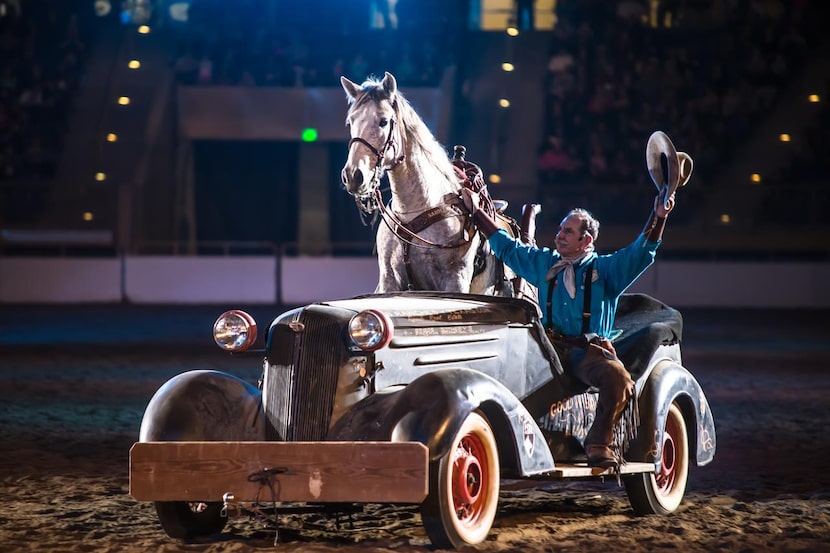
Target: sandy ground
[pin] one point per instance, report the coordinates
(74, 384)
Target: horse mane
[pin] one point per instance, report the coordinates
(411, 124)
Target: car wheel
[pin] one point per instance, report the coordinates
(463, 488)
(661, 492)
(185, 520)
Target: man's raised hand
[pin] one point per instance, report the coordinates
(472, 200)
(662, 207)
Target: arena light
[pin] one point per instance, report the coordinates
(309, 135)
(136, 12)
(88, 216)
(507, 66)
(134, 64)
(755, 177)
(784, 137)
(512, 30)
(504, 102)
(124, 100)
(100, 177)
(112, 137)
(725, 219)
(102, 8)
(814, 98)
(144, 29)
(179, 11)
(495, 178)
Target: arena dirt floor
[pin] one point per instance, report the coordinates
(74, 383)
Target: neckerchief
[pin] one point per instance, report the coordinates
(567, 265)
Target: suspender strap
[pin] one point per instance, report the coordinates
(586, 305)
(548, 310)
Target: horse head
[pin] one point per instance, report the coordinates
(376, 143)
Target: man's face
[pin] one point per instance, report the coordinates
(570, 240)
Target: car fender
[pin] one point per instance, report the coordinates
(204, 405)
(432, 408)
(670, 382)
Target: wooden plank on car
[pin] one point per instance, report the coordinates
(581, 470)
(316, 472)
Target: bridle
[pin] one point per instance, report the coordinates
(371, 201)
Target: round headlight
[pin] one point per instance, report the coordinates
(370, 330)
(234, 330)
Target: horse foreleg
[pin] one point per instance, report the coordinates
(388, 284)
(448, 271)
(486, 281)
(391, 271)
(388, 281)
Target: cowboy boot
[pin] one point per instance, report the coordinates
(616, 388)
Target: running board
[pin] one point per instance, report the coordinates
(582, 470)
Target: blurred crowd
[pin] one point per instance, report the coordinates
(41, 53)
(800, 195)
(706, 72)
(314, 42)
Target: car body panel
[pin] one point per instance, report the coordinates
(179, 409)
(450, 355)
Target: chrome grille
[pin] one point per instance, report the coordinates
(301, 379)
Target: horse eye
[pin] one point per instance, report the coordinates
(384, 121)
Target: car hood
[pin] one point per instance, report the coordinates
(420, 308)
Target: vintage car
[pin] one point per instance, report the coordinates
(410, 398)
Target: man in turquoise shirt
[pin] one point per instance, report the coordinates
(562, 277)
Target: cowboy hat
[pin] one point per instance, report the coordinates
(678, 165)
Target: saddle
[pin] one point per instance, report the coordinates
(472, 177)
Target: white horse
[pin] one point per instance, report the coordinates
(425, 241)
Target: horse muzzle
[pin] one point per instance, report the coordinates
(357, 181)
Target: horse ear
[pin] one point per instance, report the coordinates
(352, 89)
(390, 85)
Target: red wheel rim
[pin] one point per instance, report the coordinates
(470, 477)
(668, 460)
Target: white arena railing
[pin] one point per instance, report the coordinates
(261, 273)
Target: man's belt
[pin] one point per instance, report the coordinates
(580, 341)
